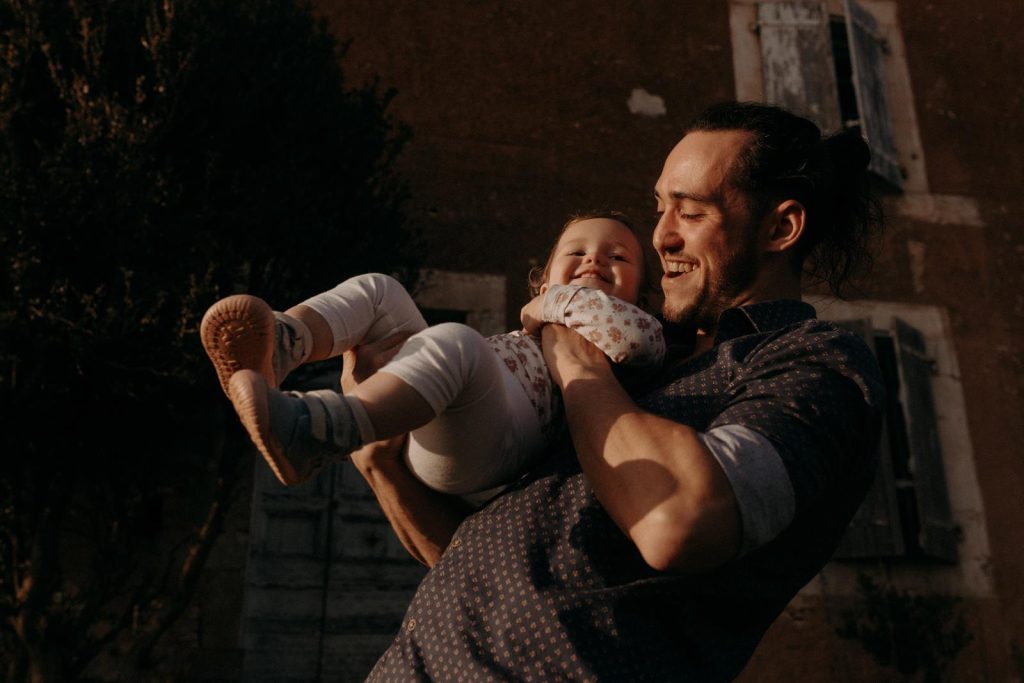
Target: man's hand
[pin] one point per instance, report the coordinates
(652, 475)
(423, 520)
(569, 356)
(378, 453)
(532, 315)
(360, 362)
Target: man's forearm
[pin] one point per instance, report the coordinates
(423, 519)
(653, 475)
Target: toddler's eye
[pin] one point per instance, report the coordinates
(618, 257)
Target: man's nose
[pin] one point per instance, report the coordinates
(666, 236)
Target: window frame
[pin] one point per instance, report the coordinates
(750, 83)
(971, 574)
(907, 512)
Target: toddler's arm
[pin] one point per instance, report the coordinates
(625, 333)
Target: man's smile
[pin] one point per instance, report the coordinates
(674, 269)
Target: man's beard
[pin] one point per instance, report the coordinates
(702, 313)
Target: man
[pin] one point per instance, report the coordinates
(665, 541)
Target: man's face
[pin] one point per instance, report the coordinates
(706, 236)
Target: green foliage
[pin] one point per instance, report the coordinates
(918, 635)
(154, 156)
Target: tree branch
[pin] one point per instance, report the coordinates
(196, 555)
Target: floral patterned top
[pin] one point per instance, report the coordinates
(625, 333)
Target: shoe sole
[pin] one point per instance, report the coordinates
(238, 334)
(248, 393)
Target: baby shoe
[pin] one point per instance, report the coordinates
(296, 432)
(241, 332)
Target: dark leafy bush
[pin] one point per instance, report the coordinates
(155, 155)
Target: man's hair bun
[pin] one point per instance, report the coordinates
(848, 152)
(787, 158)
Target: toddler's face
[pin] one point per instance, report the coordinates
(601, 253)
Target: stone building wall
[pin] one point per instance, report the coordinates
(523, 112)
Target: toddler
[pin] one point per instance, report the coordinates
(478, 409)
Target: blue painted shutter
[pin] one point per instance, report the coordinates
(867, 53)
(875, 529)
(796, 56)
(938, 535)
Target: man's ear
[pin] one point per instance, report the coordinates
(785, 226)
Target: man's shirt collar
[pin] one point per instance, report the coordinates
(761, 317)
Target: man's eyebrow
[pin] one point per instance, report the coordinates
(679, 195)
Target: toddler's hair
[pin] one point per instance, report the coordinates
(539, 274)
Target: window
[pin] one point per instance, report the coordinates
(826, 61)
(907, 513)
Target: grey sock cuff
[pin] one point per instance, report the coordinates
(362, 419)
(332, 420)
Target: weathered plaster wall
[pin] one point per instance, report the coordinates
(965, 62)
(521, 112)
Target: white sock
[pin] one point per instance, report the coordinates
(294, 344)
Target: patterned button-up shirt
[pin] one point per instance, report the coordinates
(541, 585)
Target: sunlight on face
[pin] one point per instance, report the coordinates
(600, 253)
(705, 237)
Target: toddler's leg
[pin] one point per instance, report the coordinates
(359, 310)
(254, 348)
(297, 433)
(472, 425)
(486, 431)
(241, 332)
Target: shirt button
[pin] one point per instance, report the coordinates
(456, 542)
(411, 625)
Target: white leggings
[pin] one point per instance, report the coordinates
(486, 431)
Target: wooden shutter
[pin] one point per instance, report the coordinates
(875, 529)
(937, 536)
(796, 54)
(286, 578)
(327, 580)
(867, 54)
(372, 579)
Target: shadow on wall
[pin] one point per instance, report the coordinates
(917, 635)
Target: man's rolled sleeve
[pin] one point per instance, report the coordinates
(759, 481)
(817, 403)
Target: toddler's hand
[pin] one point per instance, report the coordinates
(532, 315)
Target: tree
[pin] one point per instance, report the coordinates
(154, 156)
